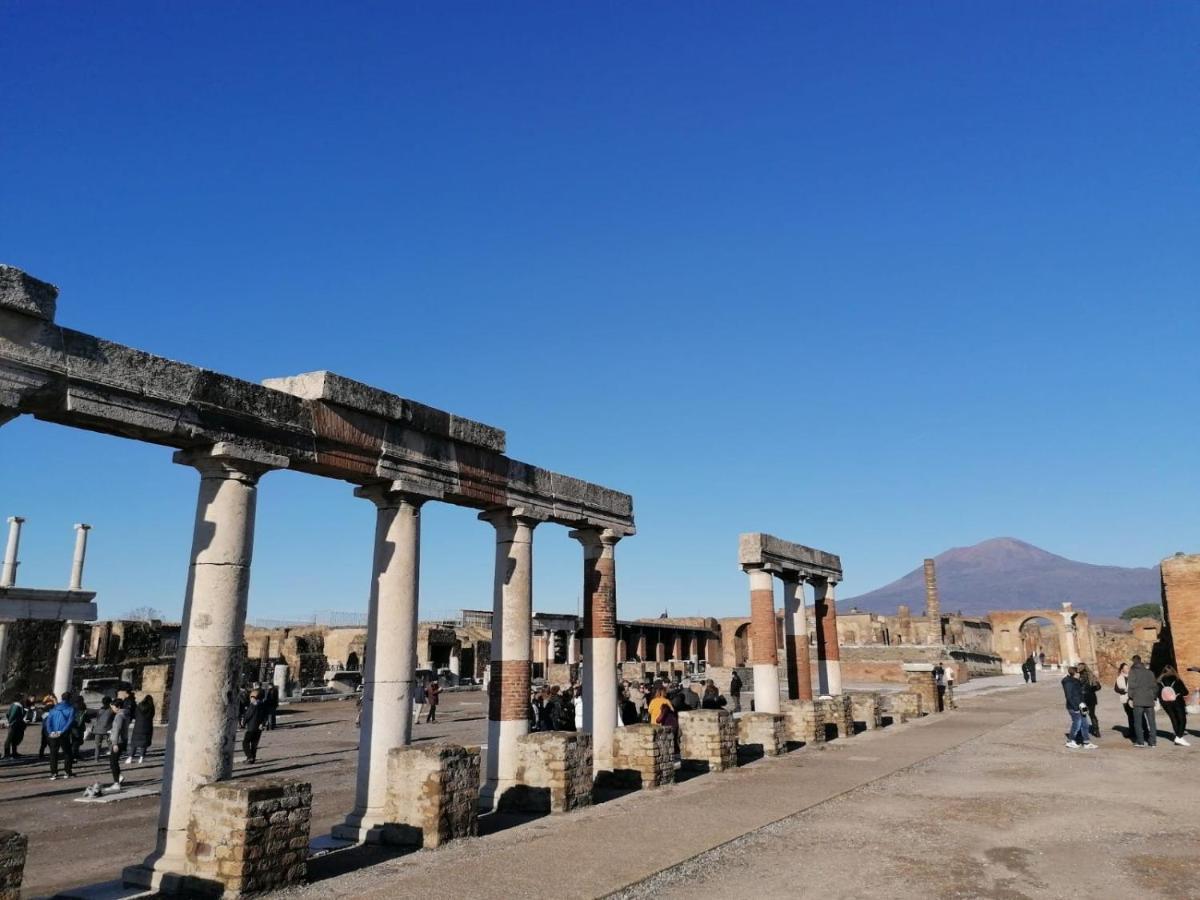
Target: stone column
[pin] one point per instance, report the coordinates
(1070, 645)
(598, 674)
(455, 661)
(764, 657)
(640, 651)
(660, 648)
(64, 664)
(81, 531)
(829, 667)
(933, 608)
(512, 613)
(795, 640)
(8, 575)
(389, 672)
(572, 649)
(694, 653)
(200, 739)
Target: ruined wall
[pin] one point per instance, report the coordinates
(1181, 607)
(32, 650)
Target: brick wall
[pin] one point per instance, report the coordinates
(803, 722)
(554, 771)
(643, 756)
(763, 731)
(433, 794)
(12, 863)
(837, 715)
(249, 836)
(707, 740)
(1181, 604)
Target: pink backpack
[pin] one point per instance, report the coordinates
(1168, 694)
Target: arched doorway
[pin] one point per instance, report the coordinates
(1040, 639)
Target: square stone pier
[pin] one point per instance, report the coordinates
(643, 756)
(554, 771)
(432, 796)
(707, 740)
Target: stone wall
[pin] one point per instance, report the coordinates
(12, 863)
(707, 740)
(247, 836)
(433, 794)
(762, 732)
(643, 756)
(903, 705)
(554, 771)
(837, 714)
(1181, 607)
(804, 722)
(867, 707)
(32, 651)
(921, 680)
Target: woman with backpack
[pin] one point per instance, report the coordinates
(1172, 694)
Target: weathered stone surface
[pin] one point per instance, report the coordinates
(1181, 606)
(903, 705)
(757, 549)
(921, 680)
(707, 740)
(803, 722)
(433, 794)
(836, 713)
(26, 294)
(764, 731)
(13, 847)
(554, 771)
(643, 756)
(867, 708)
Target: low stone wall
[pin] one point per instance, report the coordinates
(762, 730)
(12, 863)
(867, 708)
(554, 771)
(803, 722)
(643, 756)
(922, 680)
(903, 705)
(433, 795)
(247, 836)
(707, 740)
(837, 713)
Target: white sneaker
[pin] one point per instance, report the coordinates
(115, 786)
(1183, 742)
(1090, 746)
(128, 761)
(54, 778)
(1071, 745)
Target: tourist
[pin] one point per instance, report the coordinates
(950, 688)
(1172, 694)
(1143, 691)
(629, 710)
(271, 704)
(256, 718)
(663, 713)
(712, 697)
(735, 691)
(1121, 687)
(939, 678)
(48, 703)
(1091, 688)
(78, 726)
(56, 726)
(1033, 667)
(15, 717)
(1073, 690)
(432, 690)
(118, 739)
(243, 705)
(102, 724)
(143, 730)
(551, 709)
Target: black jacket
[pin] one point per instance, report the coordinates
(1073, 689)
(256, 716)
(143, 726)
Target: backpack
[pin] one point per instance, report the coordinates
(1168, 694)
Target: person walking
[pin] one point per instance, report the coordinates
(56, 726)
(103, 724)
(118, 740)
(1172, 694)
(1143, 691)
(1121, 687)
(143, 730)
(735, 691)
(1091, 696)
(1073, 691)
(432, 690)
(271, 702)
(256, 720)
(15, 717)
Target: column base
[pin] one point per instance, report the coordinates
(162, 876)
(359, 829)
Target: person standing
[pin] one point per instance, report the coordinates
(1143, 691)
(43, 711)
(735, 691)
(431, 697)
(15, 717)
(271, 702)
(1121, 687)
(103, 724)
(118, 740)
(1172, 694)
(56, 727)
(939, 679)
(256, 720)
(1091, 689)
(143, 730)
(1073, 691)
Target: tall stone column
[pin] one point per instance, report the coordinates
(1070, 643)
(933, 607)
(572, 648)
(764, 654)
(512, 614)
(795, 641)
(640, 646)
(677, 647)
(81, 532)
(200, 738)
(599, 675)
(64, 664)
(660, 648)
(8, 574)
(389, 674)
(694, 652)
(829, 666)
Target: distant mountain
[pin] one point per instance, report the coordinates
(1004, 573)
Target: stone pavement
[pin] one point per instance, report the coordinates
(617, 844)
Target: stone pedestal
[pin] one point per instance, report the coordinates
(804, 722)
(921, 680)
(903, 705)
(246, 836)
(867, 707)
(707, 740)
(555, 771)
(433, 795)
(12, 864)
(156, 683)
(837, 712)
(761, 730)
(643, 756)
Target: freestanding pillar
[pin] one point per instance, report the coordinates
(1070, 645)
(795, 641)
(200, 738)
(599, 640)
(8, 575)
(765, 655)
(512, 614)
(64, 664)
(81, 532)
(829, 666)
(389, 674)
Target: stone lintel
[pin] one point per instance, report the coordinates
(25, 294)
(47, 605)
(758, 550)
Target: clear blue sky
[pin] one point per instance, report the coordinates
(880, 278)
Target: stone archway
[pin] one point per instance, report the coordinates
(1071, 627)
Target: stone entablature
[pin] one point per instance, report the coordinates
(762, 730)
(554, 769)
(766, 551)
(13, 847)
(643, 756)
(432, 795)
(707, 740)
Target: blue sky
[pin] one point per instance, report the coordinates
(879, 278)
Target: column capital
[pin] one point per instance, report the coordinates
(769, 568)
(233, 461)
(502, 516)
(391, 494)
(596, 537)
(81, 526)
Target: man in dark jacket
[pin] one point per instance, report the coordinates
(57, 728)
(16, 727)
(1073, 690)
(1143, 691)
(256, 719)
(735, 691)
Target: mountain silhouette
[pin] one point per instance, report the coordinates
(1005, 573)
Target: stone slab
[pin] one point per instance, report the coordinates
(758, 549)
(26, 294)
(35, 603)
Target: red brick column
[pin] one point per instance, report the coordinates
(764, 657)
(795, 636)
(1181, 607)
(829, 668)
(599, 639)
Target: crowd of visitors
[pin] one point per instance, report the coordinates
(1140, 693)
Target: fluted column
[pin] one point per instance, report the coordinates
(829, 666)
(389, 673)
(81, 533)
(764, 653)
(795, 640)
(200, 738)
(599, 675)
(8, 574)
(512, 613)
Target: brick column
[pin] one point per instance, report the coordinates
(1181, 608)
(829, 667)
(599, 676)
(765, 657)
(389, 675)
(795, 640)
(200, 738)
(512, 613)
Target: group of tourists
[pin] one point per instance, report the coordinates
(1140, 692)
(121, 727)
